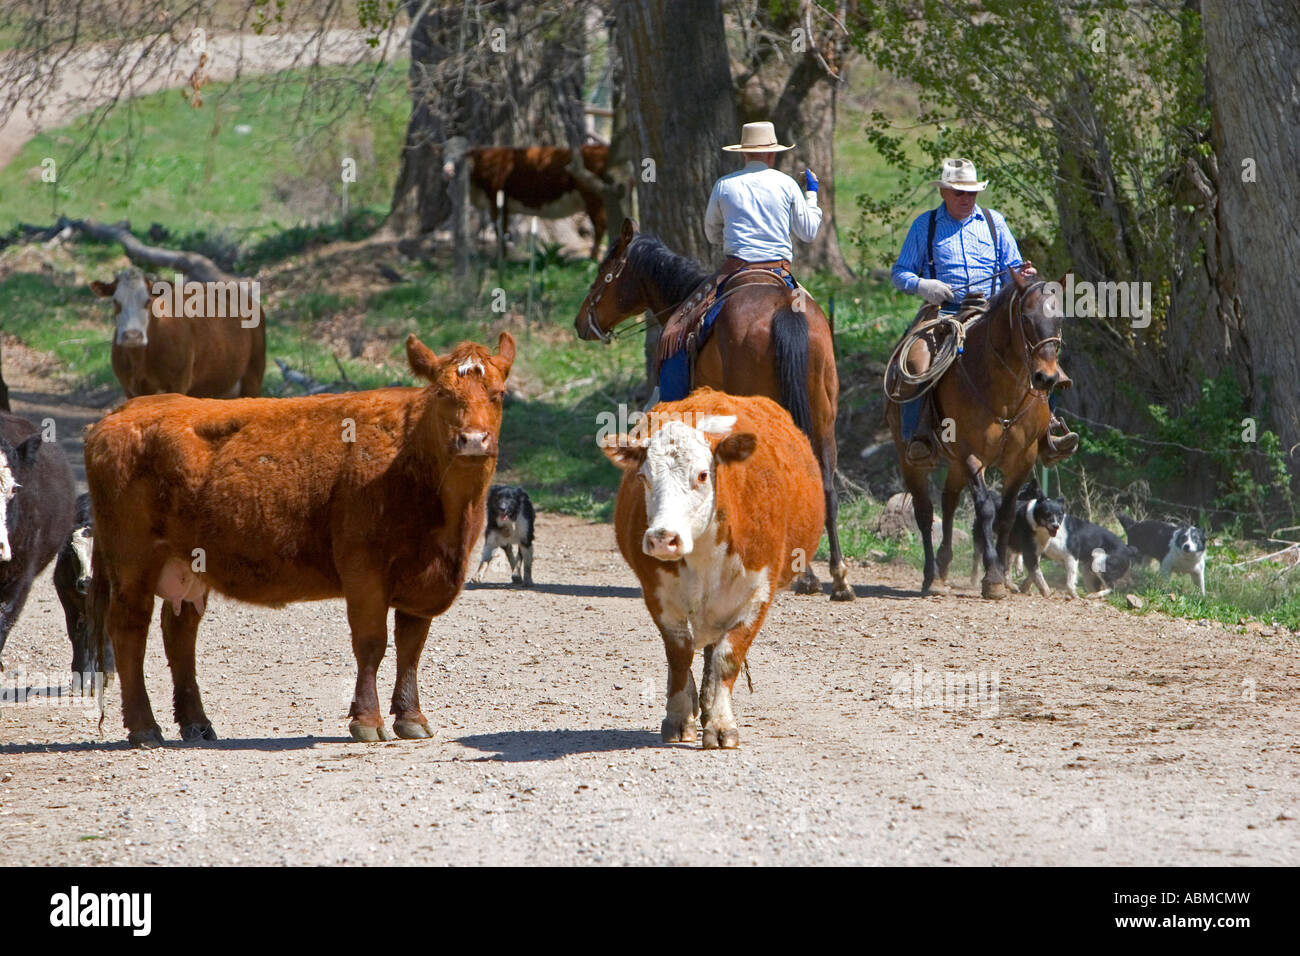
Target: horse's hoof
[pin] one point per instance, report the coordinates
(412, 729)
(198, 732)
(994, 590)
(842, 592)
(146, 739)
(675, 733)
(368, 735)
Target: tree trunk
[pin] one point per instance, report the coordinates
(680, 112)
(805, 115)
(1253, 62)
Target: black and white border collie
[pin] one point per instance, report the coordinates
(509, 523)
(1042, 529)
(1178, 547)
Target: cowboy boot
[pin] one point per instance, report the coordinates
(1054, 449)
(923, 449)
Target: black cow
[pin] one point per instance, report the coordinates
(38, 506)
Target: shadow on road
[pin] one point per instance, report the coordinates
(270, 744)
(569, 590)
(528, 745)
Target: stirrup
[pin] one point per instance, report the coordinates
(1057, 448)
(922, 451)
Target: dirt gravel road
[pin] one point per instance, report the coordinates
(1085, 736)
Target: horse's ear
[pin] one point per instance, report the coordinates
(1017, 277)
(1061, 281)
(629, 231)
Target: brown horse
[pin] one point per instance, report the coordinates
(767, 340)
(993, 411)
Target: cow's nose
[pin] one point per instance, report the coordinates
(1042, 381)
(662, 544)
(473, 443)
(133, 337)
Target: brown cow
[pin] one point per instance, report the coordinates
(537, 181)
(720, 506)
(376, 497)
(157, 349)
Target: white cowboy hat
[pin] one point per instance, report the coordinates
(758, 138)
(959, 174)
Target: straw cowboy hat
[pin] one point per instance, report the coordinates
(758, 138)
(959, 174)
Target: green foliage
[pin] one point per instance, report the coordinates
(1078, 113)
(1250, 478)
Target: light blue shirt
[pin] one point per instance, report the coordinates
(963, 253)
(752, 213)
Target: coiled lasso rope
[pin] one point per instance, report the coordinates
(896, 372)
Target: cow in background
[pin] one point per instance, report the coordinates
(376, 497)
(720, 506)
(205, 356)
(537, 181)
(37, 509)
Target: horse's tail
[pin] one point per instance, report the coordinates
(790, 343)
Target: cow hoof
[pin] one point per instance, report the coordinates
(368, 735)
(198, 732)
(842, 592)
(806, 583)
(146, 739)
(994, 590)
(673, 733)
(516, 579)
(412, 729)
(726, 738)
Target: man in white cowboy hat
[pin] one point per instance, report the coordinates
(751, 214)
(753, 211)
(956, 250)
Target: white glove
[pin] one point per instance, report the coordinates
(934, 291)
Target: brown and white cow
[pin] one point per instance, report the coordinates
(375, 496)
(537, 181)
(217, 354)
(720, 506)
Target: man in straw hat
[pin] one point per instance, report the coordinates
(751, 214)
(955, 251)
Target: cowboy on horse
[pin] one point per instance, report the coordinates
(751, 214)
(956, 257)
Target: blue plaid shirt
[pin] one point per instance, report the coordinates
(963, 253)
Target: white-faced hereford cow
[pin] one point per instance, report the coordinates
(376, 497)
(213, 350)
(720, 506)
(537, 181)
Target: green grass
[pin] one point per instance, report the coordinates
(189, 169)
(1265, 592)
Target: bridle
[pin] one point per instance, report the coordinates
(1027, 399)
(598, 289)
(1031, 348)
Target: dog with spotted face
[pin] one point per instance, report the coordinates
(509, 525)
(1178, 547)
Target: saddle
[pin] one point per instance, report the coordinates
(685, 330)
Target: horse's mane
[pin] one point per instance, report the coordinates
(676, 275)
